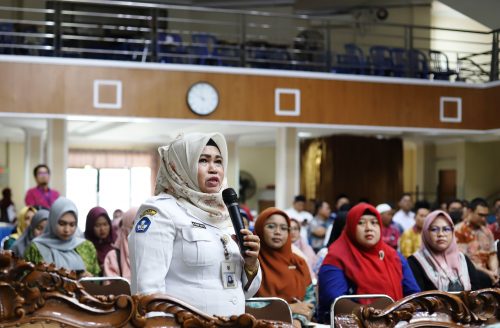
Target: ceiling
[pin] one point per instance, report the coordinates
(112, 133)
(313, 7)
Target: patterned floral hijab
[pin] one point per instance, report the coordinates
(178, 176)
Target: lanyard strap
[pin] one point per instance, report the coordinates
(224, 239)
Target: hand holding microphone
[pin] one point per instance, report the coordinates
(248, 242)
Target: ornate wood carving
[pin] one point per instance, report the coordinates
(440, 308)
(484, 304)
(42, 293)
(31, 293)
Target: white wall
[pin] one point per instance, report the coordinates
(14, 154)
(464, 43)
(482, 169)
(260, 163)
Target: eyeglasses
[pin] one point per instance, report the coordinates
(274, 226)
(446, 230)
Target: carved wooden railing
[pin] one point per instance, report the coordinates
(430, 309)
(42, 293)
(31, 294)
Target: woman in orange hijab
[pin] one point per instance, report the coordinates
(284, 274)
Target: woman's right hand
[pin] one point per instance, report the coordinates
(303, 308)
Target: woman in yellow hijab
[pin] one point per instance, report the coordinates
(24, 217)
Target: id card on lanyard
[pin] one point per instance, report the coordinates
(228, 268)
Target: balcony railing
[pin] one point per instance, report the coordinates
(133, 31)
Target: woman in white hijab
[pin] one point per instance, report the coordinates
(181, 242)
(59, 244)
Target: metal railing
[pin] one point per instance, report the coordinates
(118, 30)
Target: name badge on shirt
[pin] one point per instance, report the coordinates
(228, 270)
(198, 225)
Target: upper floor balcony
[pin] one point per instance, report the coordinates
(146, 32)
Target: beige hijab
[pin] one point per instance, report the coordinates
(178, 176)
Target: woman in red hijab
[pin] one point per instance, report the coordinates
(359, 262)
(284, 274)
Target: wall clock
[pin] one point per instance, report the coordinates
(202, 98)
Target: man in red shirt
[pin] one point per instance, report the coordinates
(41, 195)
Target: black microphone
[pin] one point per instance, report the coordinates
(231, 200)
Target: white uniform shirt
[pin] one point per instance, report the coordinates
(304, 218)
(405, 220)
(175, 253)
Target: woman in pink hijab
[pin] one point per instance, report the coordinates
(117, 262)
(438, 264)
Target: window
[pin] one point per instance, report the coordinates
(110, 188)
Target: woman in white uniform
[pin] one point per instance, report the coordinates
(182, 244)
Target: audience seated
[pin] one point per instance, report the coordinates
(337, 228)
(301, 247)
(340, 201)
(404, 216)
(7, 207)
(456, 210)
(298, 212)
(116, 222)
(391, 230)
(24, 219)
(495, 227)
(60, 245)
(319, 225)
(35, 229)
(117, 261)
(410, 240)
(284, 274)
(98, 231)
(439, 264)
(359, 262)
(476, 241)
(41, 195)
(496, 206)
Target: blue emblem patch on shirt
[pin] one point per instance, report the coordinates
(143, 225)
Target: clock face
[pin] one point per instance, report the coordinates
(202, 98)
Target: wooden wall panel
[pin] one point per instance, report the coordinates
(360, 167)
(491, 115)
(68, 89)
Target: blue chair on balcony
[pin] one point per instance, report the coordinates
(419, 66)
(381, 60)
(439, 65)
(170, 48)
(279, 58)
(354, 60)
(400, 62)
(229, 54)
(5, 39)
(257, 54)
(204, 47)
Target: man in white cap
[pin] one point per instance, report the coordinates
(391, 230)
